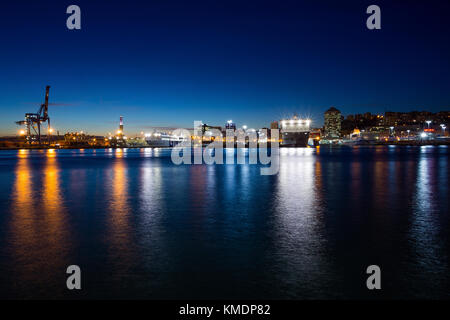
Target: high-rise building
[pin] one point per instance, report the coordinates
(332, 123)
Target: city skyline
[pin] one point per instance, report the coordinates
(170, 64)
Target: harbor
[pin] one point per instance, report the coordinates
(224, 159)
(411, 129)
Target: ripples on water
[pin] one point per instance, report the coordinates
(141, 227)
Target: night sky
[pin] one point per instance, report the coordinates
(168, 63)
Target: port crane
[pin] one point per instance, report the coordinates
(34, 121)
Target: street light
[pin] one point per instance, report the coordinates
(408, 132)
(428, 123)
(50, 130)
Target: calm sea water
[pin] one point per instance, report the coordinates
(142, 227)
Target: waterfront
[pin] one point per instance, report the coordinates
(142, 227)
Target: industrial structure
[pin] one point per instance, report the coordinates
(119, 140)
(33, 121)
(230, 125)
(120, 132)
(294, 131)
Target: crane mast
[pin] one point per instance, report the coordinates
(33, 121)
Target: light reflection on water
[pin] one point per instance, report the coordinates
(426, 229)
(120, 233)
(23, 233)
(300, 246)
(140, 226)
(38, 233)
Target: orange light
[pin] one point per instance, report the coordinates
(22, 132)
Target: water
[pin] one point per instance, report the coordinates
(142, 227)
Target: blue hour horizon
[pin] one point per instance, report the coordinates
(167, 65)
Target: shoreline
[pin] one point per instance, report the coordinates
(401, 144)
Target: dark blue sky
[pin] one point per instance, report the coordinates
(168, 63)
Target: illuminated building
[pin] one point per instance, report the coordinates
(332, 123)
(294, 132)
(230, 125)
